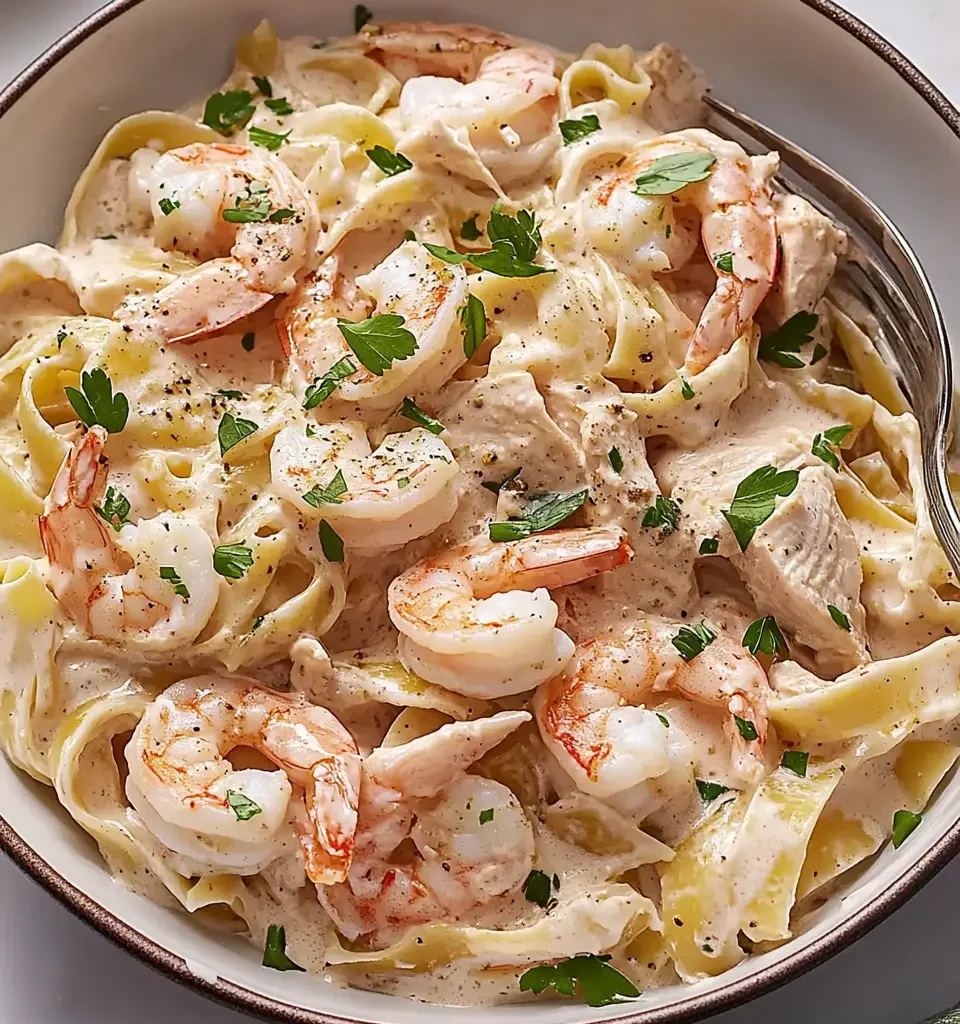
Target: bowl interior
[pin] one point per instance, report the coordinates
(780, 60)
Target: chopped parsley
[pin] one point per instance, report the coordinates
(409, 236)
(234, 396)
(824, 443)
(275, 950)
(379, 341)
(669, 174)
(780, 346)
(536, 888)
(693, 640)
(838, 617)
(763, 636)
(225, 112)
(473, 320)
(96, 404)
(250, 205)
(615, 459)
(168, 573)
(723, 261)
(588, 975)
(573, 130)
(330, 542)
(411, 411)
(232, 560)
(486, 816)
(263, 84)
(61, 338)
(242, 806)
(709, 546)
(515, 241)
(710, 790)
(795, 761)
(819, 351)
(167, 206)
(331, 494)
(469, 229)
(115, 508)
(686, 390)
(755, 500)
(268, 140)
(495, 487)
(280, 106)
(746, 728)
(389, 162)
(664, 721)
(665, 513)
(550, 511)
(323, 387)
(232, 430)
(904, 822)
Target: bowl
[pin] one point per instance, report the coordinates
(805, 67)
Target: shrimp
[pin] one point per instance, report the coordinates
(737, 218)
(479, 620)
(403, 490)
(195, 802)
(464, 857)
(150, 586)
(426, 292)
(244, 213)
(592, 716)
(408, 49)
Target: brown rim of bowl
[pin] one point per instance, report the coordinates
(685, 1010)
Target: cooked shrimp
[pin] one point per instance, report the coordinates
(737, 218)
(403, 490)
(411, 283)
(464, 858)
(592, 716)
(110, 583)
(479, 619)
(197, 193)
(410, 48)
(197, 804)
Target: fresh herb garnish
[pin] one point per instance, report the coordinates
(520, 233)
(323, 387)
(549, 511)
(361, 15)
(819, 351)
(447, 255)
(755, 500)
(280, 106)
(268, 140)
(709, 546)
(515, 242)
(232, 430)
(411, 411)
(592, 976)
(469, 229)
(615, 459)
(763, 636)
(723, 261)
(115, 508)
(746, 728)
(250, 205)
(780, 346)
(686, 390)
(536, 888)
(263, 84)
(838, 617)
(409, 236)
(693, 640)
(710, 790)
(664, 721)
(473, 320)
(243, 807)
(234, 396)
(282, 216)
(822, 444)
(168, 573)
(330, 542)
(232, 560)
(904, 822)
(61, 338)
(378, 341)
(95, 403)
(247, 341)
(795, 761)
(403, 481)
(225, 112)
(389, 162)
(275, 950)
(167, 206)
(495, 487)
(669, 174)
(486, 816)
(573, 130)
(664, 512)
(328, 495)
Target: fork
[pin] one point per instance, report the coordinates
(884, 272)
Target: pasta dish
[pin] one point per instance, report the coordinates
(458, 531)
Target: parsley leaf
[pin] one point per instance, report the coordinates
(95, 402)
(904, 822)
(665, 513)
(486, 816)
(275, 950)
(232, 430)
(167, 206)
(573, 130)
(821, 446)
(115, 508)
(168, 573)
(723, 261)
(280, 106)
(755, 500)
(495, 487)
(329, 495)
(710, 790)
(795, 761)
(263, 84)
(536, 888)
(411, 411)
(515, 242)
(686, 390)
(746, 728)
(378, 341)
(503, 262)
(250, 205)
(693, 640)
(780, 346)
(361, 15)
(819, 351)
(615, 459)
(763, 636)
(323, 387)
(268, 140)
(225, 112)
(234, 396)
(592, 976)
(469, 229)
(473, 320)
(549, 511)
(447, 255)
(520, 233)
(664, 721)
(232, 560)
(388, 162)
(709, 546)
(669, 174)
(838, 617)
(282, 216)
(242, 806)
(330, 542)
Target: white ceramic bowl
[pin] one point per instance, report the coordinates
(803, 66)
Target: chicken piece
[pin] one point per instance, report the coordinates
(676, 99)
(810, 245)
(801, 562)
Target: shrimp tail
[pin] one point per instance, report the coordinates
(332, 811)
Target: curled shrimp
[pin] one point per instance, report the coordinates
(197, 804)
(411, 283)
(150, 585)
(592, 716)
(463, 858)
(243, 212)
(408, 49)
(737, 226)
(403, 490)
(479, 620)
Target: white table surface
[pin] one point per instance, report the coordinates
(56, 970)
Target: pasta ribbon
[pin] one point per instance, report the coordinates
(605, 72)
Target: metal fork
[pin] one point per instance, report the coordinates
(884, 273)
